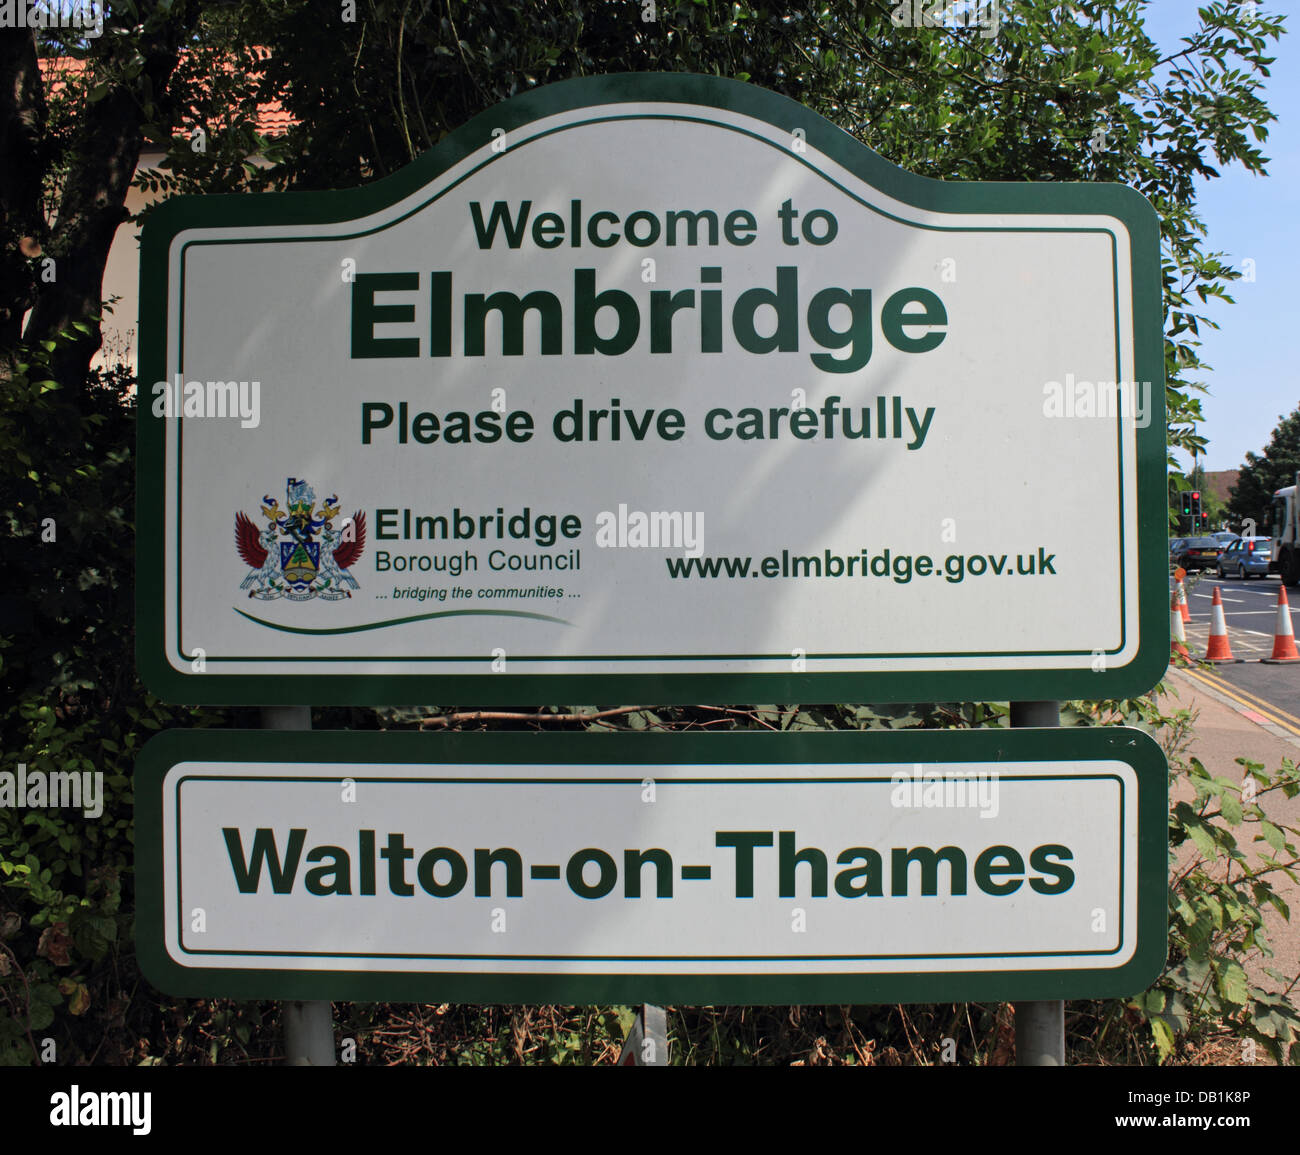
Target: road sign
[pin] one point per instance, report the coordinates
(652, 387)
(838, 867)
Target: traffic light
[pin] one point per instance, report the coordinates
(1187, 502)
(1196, 509)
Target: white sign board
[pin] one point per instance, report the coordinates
(657, 383)
(761, 867)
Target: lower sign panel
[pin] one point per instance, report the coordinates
(840, 867)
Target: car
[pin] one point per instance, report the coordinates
(1175, 544)
(1197, 553)
(1246, 556)
(1226, 537)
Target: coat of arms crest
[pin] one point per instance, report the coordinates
(300, 554)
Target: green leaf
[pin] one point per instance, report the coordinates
(1204, 840)
(1272, 835)
(1230, 804)
(40, 1016)
(1234, 986)
(1215, 909)
(1163, 1036)
(1151, 1002)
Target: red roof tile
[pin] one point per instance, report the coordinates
(272, 118)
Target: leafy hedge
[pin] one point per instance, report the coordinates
(69, 702)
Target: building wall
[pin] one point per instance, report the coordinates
(121, 327)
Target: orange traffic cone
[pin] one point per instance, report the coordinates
(1182, 602)
(1178, 638)
(1283, 635)
(1218, 649)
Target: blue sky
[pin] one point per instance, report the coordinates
(1254, 377)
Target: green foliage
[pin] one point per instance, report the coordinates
(489, 1036)
(1218, 899)
(1260, 477)
(1218, 895)
(69, 703)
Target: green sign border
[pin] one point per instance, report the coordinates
(940, 747)
(1004, 199)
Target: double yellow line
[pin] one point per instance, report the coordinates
(1288, 722)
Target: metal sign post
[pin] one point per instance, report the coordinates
(308, 1026)
(646, 1044)
(1040, 1025)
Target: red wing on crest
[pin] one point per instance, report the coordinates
(347, 553)
(248, 543)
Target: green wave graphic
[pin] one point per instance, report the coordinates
(403, 621)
